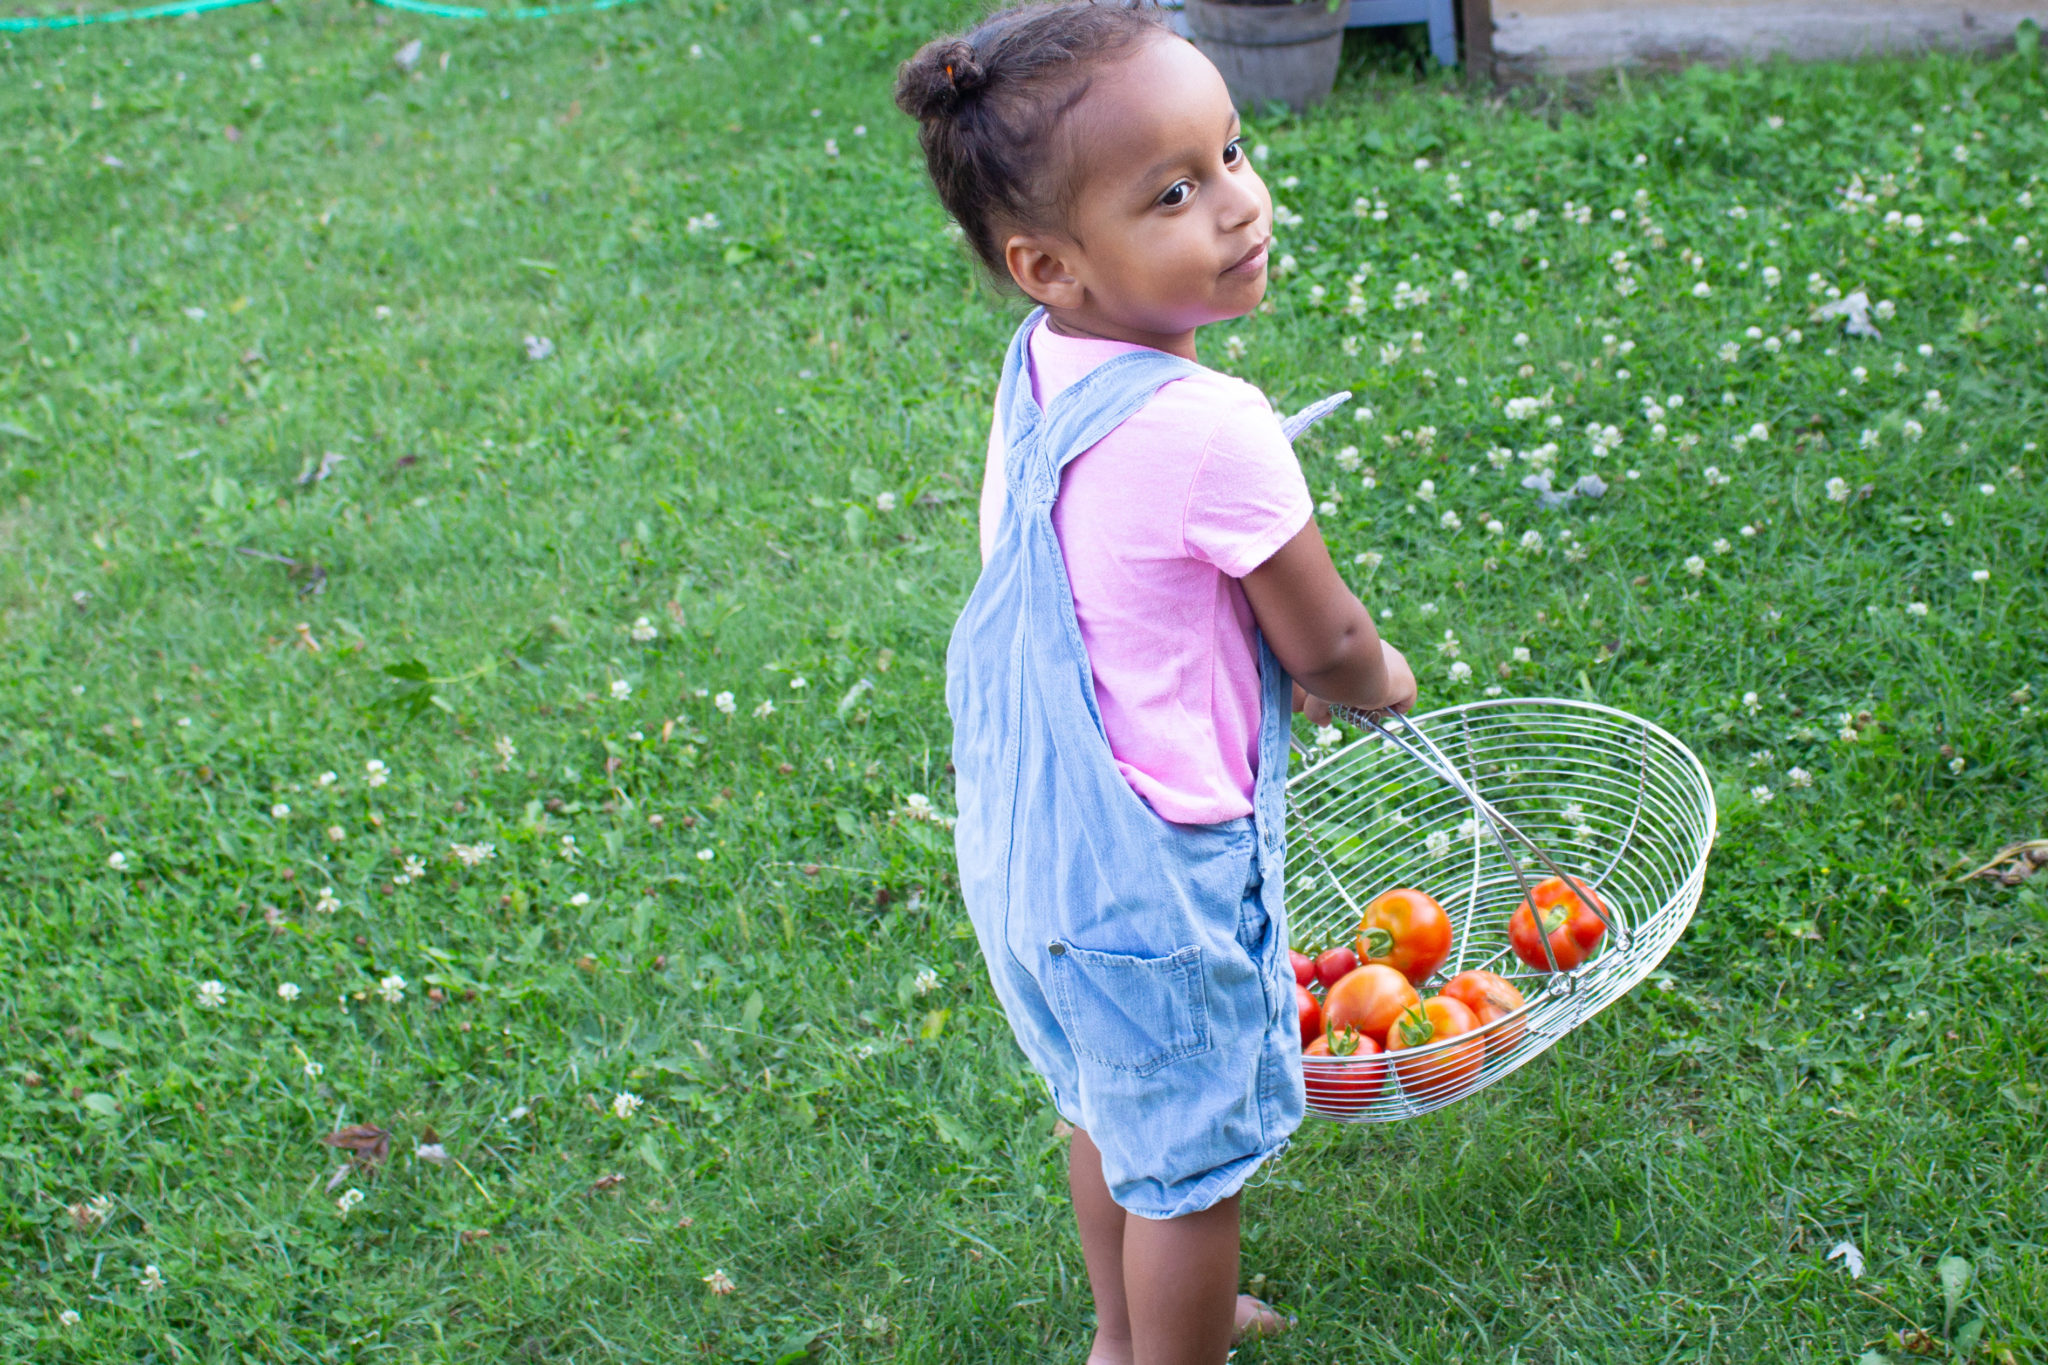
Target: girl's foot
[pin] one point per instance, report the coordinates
(1257, 1318)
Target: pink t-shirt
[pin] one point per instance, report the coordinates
(1157, 521)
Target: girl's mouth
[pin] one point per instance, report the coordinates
(1252, 262)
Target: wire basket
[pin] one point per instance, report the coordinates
(1475, 805)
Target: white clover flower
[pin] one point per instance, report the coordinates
(580, 899)
(764, 710)
(504, 748)
(1328, 736)
(1370, 559)
(1438, 842)
(411, 868)
(1532, 541)
(1957, 764)
(724, 702)
(280, 811)
(1451, 521)
(1762, 758)
(391, 989)
(1702, 290)
(885, 502)
(1752, 703)
(375, 774)
(1495, 528)
(1426, 491)
(210, 995)
(625, 1104)
(1798, 777)
(1980, 575)
(621, 689)
(1729, 352)
(705, 855)
(1721, 546)
(1838, 489)
(1771, 276)
(68, 1318)
(720, 1282)
(644, 630)
(118, 861)
(1449, 646)
(288, 991)
(1234, 346)
(1763, 796)
(472, 854)
(1695, 566)
(1461, 672)
(1520, 654)
(1916, 609)
(349, 1199)
(152, 1280)
(926, 981)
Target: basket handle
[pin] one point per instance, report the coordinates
(1401, 732)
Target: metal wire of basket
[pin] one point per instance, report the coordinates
(1475, 804)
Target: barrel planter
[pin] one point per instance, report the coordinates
(1273, 53)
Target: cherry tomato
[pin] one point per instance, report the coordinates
(1489, 997)
(1569, 923)
(1334, 964)
(1311, 1015)
(1304, 968)
(1369, 1000)
(1342, 1088)
(1405, 930)
(1435, 1075)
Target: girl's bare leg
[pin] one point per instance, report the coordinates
(1102, 1247)
(1165, 1290)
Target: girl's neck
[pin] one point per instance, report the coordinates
(1066, 324)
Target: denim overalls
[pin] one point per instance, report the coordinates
(1142, 963)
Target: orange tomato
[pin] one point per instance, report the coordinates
(1558, 915)
(1369, 1000)
(1489, 997)
(1435, 1075)
(1337, 1087)
(1406, 930)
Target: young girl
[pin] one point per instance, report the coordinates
(1119, 680)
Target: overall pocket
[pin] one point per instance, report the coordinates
(1129, 1013)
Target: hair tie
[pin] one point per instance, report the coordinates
(949, 73)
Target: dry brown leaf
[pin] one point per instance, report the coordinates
(2014, 863)
(607, 1182)
(366, 1144)
(471, 1236)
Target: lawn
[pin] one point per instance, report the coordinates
(476, 552)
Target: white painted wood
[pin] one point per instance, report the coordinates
(1572, 37)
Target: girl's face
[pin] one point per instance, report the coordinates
(1169, 224)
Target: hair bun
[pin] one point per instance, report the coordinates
(933, 84)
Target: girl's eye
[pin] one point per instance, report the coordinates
(1233, 151)
(1176, 195)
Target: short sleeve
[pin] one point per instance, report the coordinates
(1248, 497)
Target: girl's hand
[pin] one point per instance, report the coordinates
(1315, 708)
(1400, 679)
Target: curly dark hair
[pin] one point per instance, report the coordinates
(988, 103)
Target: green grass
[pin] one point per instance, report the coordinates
(1848, 1044)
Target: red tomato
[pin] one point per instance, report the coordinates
(1311, 1015)
(1489, 997)
(1369, 1000)
(1405, 930)
(1571, 926)
(1334, 964)
(1342, 1088)
(1437, 1074)
(1304, 968)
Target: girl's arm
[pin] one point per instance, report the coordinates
(1321, 633)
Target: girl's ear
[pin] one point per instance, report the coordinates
(1041, 269)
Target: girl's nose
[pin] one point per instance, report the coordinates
(1242, 204)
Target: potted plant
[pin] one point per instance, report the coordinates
(1281, 51)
